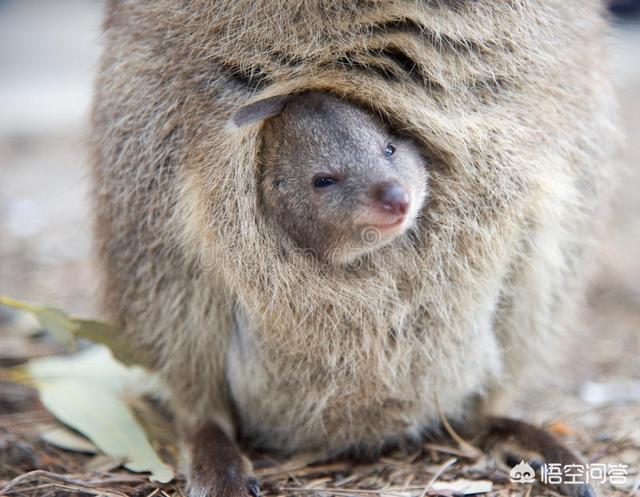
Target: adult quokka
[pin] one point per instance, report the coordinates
(266, 333)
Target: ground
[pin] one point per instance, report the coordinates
(44, 256)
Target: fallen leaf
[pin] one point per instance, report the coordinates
(102, 463)
(88, 392)
(95, 364)
(107, 334)
(64, 438)
(55, 320)
(463, 487)
(106, 420)
(66, 328)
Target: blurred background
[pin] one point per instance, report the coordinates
(48, 53)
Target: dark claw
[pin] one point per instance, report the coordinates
(253, 486)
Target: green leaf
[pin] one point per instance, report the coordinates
(66, 328)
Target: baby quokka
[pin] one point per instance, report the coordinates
(333, 176)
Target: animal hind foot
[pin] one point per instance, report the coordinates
(519, 441)
(217, 467)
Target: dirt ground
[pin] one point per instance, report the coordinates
(44, 257)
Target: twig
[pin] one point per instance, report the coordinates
(7, 487)
(437, 475)
(447, 450)
(74, 488)
(302, 471)
(341, 491)
(473, 452)
(407, 482)
(26, 417)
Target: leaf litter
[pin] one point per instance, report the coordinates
(39, 456)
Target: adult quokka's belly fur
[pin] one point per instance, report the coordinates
(288, 402)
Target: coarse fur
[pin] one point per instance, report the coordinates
(510, 102)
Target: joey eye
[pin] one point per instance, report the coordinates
(389, 150)
(323, 181)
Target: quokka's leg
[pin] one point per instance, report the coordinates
(519, 440)
(217, 467)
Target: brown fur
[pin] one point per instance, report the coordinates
(217, 468)
(509, 100)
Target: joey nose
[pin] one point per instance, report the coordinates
(392, 198)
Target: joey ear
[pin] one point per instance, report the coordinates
(260, 110)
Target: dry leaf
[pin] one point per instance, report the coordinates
(106, 420)
(463, 487)
(64, 438)
(87, 391)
